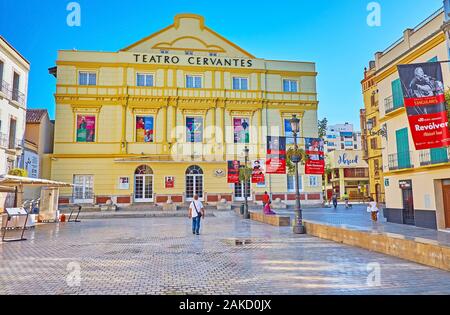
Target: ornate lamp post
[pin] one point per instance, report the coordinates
(299, 228)
(246, 214)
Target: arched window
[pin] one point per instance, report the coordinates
(194, 170)
(143, 170)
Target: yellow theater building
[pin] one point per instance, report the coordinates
(159, 119)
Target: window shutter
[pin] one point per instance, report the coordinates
(397, 93)
(404, 160)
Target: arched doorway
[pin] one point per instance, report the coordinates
(194, 182)
(143, 184)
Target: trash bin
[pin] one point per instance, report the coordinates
(242, 209)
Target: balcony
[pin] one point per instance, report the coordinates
(400, 160)
(146, 92)
(12, 94)
(427, 157)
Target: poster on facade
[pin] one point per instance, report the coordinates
(31, 163)
(315, 163)
(169, 182)
(124, 183)
(241, 130)
(85, 128)
(258, 168)
(145, 129)
(194, 129)
(276, 155)
(424, 95)
(233, 172)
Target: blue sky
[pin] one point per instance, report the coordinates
(332, 33)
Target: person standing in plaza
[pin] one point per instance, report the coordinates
(196, 212)
(346, 199)
(372, 208)
(335, 200)
(265, 199)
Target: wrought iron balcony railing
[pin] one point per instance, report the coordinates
(426, 157)
(400, 160)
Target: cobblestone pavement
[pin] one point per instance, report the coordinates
(161, 256)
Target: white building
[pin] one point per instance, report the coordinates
(13, 99)
(342, 137)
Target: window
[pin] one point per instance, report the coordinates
(164, 51)
(1, 73)
(12, 133)
(288, 132)
(87, 78)
(240, 83)
(373, 143)
(193, 81)
(355, 147)
(313, 181)
(144, 79)
(83, 187)
(189, 52)
(194, 129)
(241, 130)
(290, 86)
(342, 146)
(85, 128)
(145, 131)
(291, 183)
(15, 88)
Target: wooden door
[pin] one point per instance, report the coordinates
(446, 193)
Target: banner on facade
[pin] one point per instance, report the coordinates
(31, 163)
(241, 130)
(233, 172)
(144, 129)
(194, 127)
(276, 155)
(169, 182)
(315, 163)
(258, 167)
(424, 95)
(85, 128)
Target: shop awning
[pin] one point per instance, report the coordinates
(12, 181)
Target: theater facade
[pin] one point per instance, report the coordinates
(159, 119)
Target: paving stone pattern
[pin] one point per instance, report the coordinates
(231, 256)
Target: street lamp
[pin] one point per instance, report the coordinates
(246, 214)
(299, 228)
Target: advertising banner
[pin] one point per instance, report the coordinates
(233, 172)
(423, 92)
(124, 183)
(194, 127)
(144, 129)
(31, 163)
(315, 164)
(258, 167)
(276, 155)
(241, 130)
(85, 128)
(170, 182)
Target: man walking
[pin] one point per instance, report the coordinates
(196, 212)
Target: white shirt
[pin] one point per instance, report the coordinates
(372, 207)
(199, 206)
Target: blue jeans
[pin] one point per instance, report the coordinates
(196, 224)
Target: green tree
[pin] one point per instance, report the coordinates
(245, 173)
(291, 165)
(323, 124)
(18, 172)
